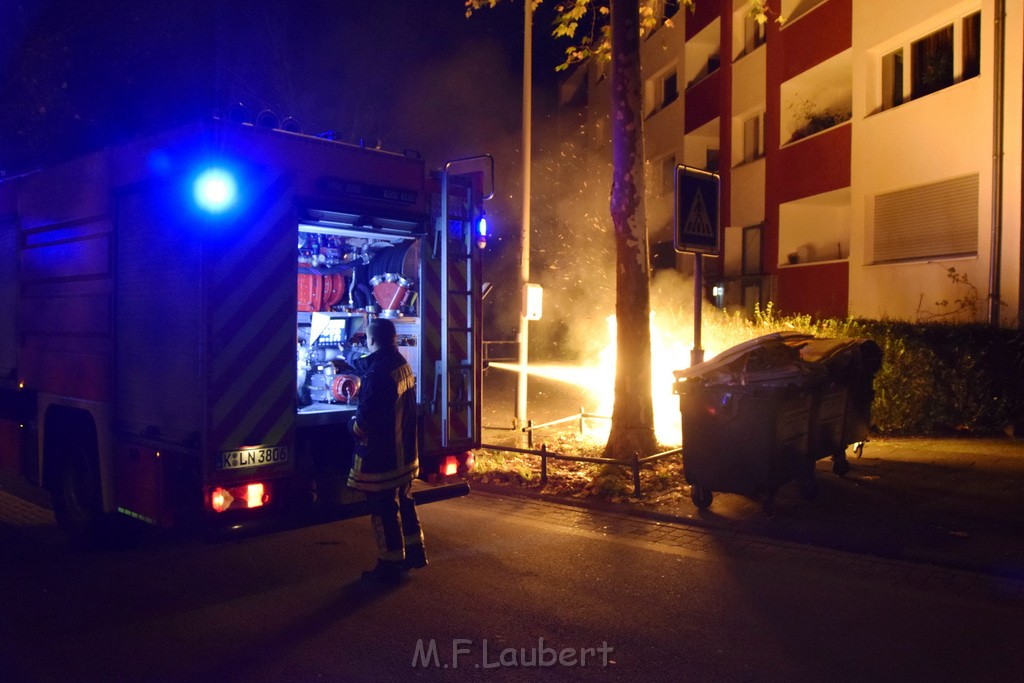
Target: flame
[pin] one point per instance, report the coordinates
(670, 350)
(671, 343)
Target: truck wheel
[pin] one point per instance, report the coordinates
(701, 496)
(77, 501)
(840, 465)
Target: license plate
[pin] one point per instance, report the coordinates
(256, 456)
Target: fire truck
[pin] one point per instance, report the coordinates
(183, 316)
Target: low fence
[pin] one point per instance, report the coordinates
(634, 463)
(501, 351)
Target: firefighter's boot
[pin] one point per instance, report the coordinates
(415, 556)
(388, 572)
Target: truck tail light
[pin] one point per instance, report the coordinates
(450, 466)
(252, 495)
(459, 463)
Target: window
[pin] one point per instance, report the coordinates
(752, 250)
(711, 160)
(892, 79)
(931, 63)
(661, 90)
(929, 221)
(753, 137)
(972, 46)
(669, 89)
(668, 175)
(932, 66)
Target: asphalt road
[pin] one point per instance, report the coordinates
(950, 502)
(511, 581)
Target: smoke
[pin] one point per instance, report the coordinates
(574, 252)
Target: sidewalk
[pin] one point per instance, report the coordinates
(956, 503)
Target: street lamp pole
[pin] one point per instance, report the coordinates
(524, 259)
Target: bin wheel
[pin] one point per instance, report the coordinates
(701, 496)
(840, 465)
(858, 448)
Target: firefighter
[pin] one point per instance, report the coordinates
(386, 460)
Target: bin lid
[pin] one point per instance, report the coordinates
(830, 351)
(772, 359)
(730, 356)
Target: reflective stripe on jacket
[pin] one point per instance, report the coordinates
(385, 424)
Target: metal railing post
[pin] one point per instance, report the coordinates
(636, 476)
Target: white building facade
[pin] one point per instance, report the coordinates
(870, 152)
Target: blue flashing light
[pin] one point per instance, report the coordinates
(481, 230)
(215, 190)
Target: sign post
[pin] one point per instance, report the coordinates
(698, 232)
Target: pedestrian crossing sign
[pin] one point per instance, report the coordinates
(697, 229)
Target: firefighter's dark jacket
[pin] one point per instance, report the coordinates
(385, 424)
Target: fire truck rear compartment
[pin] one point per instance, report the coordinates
(345, 277)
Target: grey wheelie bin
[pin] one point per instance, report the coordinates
(746, 420)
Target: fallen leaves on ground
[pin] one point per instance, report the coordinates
(661, 482)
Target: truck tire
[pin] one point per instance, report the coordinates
(77, 500)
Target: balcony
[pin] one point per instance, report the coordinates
(815, 229)
(702, 103)
(794, 9)
(816, 37)
(812, 166)
(821, 290)
(817, 99)
(702, 54)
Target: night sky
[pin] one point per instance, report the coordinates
(79, 75)
(76, 75)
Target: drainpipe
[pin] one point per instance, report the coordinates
(998, 102)
(1020, 273)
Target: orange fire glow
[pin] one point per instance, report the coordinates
(670, 350)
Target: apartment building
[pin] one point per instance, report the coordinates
(869, 150)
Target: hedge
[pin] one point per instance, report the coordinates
(936, 377)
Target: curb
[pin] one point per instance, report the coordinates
(880, 550)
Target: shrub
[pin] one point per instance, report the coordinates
(936, 377)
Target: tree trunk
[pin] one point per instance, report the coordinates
(632, 431)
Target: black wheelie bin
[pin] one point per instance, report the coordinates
(746, 420)
(842, 411)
